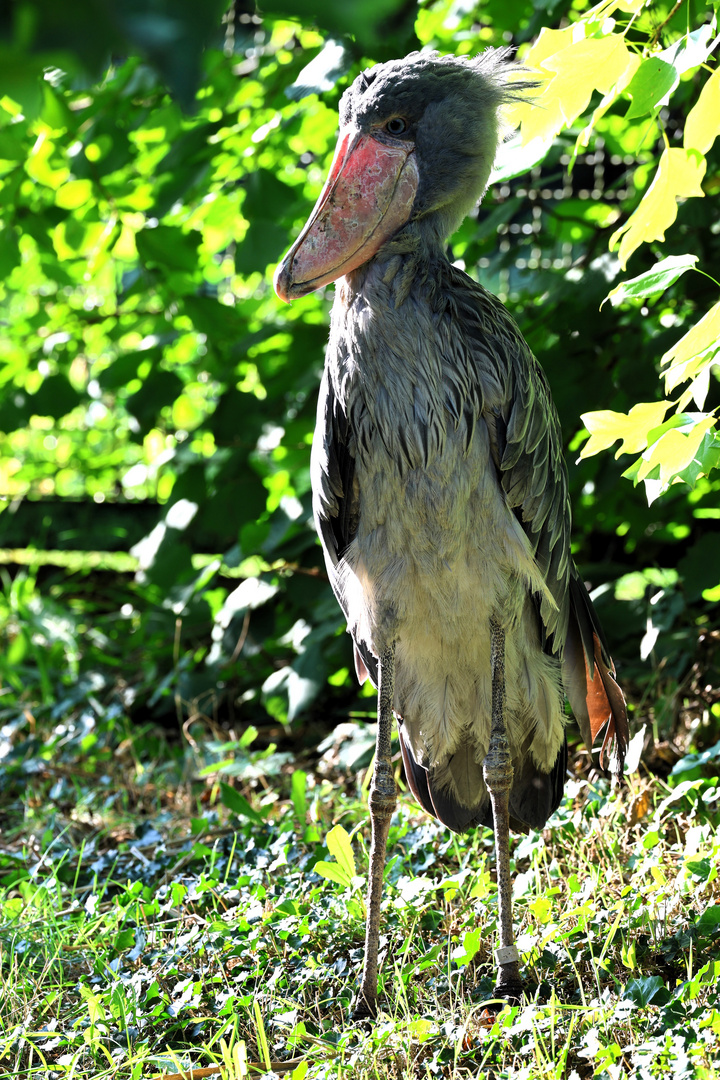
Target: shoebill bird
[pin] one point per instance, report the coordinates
(439, 485)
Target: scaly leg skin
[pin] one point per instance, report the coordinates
(383, 799)
(498, 775)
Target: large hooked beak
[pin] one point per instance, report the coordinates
(367, 197)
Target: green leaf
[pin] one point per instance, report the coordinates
(643, 991)
(169, 246)
(663, 274)
(675, 450)
(298, 796)
(12, 147)
(690, 762)
(262, 246)
(261, 1034)
(238, 805)
(269, 198)
(707, 458)
(125, 368)
(55, 111)
(677, 420)
(248, 737)
(22, 79)
(709, 920)
(700, 567)
(652, 82)
(160, 389)
(9, 252)
(472, 940)
(700, 868)
(124, 939)
(217, 321)
(374, 25)
(56, 397)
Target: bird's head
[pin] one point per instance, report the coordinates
(418, 138)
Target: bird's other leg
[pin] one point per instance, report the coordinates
(383, 799)
(498, 775)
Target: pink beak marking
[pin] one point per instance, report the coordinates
(367, 197)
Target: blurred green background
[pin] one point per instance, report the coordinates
(157, 401)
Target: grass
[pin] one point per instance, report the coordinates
(154, 921)
(190, 900)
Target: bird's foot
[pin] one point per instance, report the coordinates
(510, 992)
(509, 985)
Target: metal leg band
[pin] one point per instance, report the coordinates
(507, 954)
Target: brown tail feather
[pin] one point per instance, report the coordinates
(589, 678)
(617, 735)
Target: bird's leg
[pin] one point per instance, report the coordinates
(498, 776)
(383, 799)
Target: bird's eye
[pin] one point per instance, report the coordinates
(397, 126)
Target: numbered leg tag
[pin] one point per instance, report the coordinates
(507, 954)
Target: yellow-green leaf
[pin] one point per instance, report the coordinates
(691, 50)
(541, 908)
(697, 390)
(40, 163)
(584, 137)
(703, 123)
(627, 955)
(541, 117)
(338, 844)
(550, 42)
(332, 872)
(421, 1029)
(674, 451)
(74, 194)
(693, 352)
(576, 66)
(606, 427)
(633, 63)
(595, 63)
(679, 175)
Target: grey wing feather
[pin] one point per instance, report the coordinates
(534, 478)
(525, 442)
(527, 449)
(335, 499)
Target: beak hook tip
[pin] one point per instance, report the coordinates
(282, 281)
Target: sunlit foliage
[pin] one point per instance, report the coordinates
(149, 372)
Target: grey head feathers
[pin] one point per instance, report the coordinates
(451, 108)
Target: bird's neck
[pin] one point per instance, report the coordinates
(388, 350)
(403, 264)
